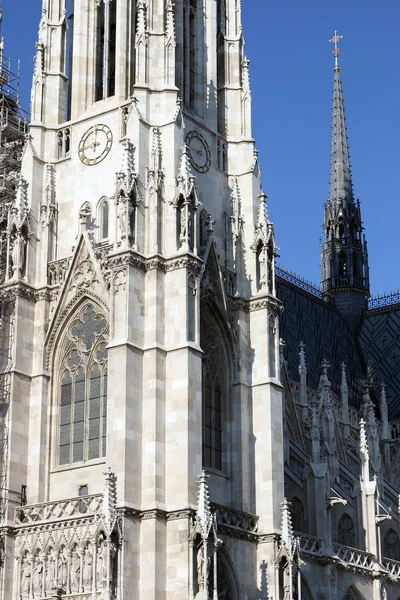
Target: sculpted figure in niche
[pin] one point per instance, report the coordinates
(101, 566)
(51, 573)
(25, 577)
(37, 578)
(75, 571)
(122, 219)
(18, 256)
(62, 570)
(87, 570)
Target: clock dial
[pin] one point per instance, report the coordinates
(199, 151)
(95, 145)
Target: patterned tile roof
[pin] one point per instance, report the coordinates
(325, 335)
(380, 344)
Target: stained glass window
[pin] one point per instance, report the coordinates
(83, 389)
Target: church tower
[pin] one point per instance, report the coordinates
(143, 281)
(344, 256)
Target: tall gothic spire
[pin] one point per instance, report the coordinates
(341, 185)
(344, 256)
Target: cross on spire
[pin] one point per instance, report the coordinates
(336, 38)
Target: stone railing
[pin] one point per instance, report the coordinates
(309, 544)
(392, 567)
(354, 557)
(298, 281)
(237, 519)
(73, 508)
(381, 301)
(57, 271)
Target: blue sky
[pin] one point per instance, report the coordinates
(291, 77)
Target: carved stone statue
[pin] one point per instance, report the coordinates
(101, 565)
(37, 579)
(88, 570)
(51, 573)
(25, 577)
(75, 571)
(18, 256)
(62, 571)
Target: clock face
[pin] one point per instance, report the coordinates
(95, 144)
(199, 151)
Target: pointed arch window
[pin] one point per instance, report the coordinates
(342, 264)
(297, 511)
(106, 27)
(391, 547)
(214, 392)
(346, 531)
(352, 594)
(83, 388)
(103, 219)
(189, 52)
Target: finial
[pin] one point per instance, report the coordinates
(287, 527)
(363, 440)
(336, 50)
(204, 517)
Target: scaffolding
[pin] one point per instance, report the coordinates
(13, 127)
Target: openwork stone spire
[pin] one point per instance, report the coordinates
(341, 186)
(344, 256)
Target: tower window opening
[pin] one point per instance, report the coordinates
(106, 33)
(112, 36)
(355, 264)
(341, 233)
(100, 24)
(342, 264)
(189, 53)
(68, 54)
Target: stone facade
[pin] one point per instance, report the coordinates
(151, 423)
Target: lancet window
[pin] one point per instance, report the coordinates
(391, 547)
(214, 394)
(351, 594)
(106, 26)
(68, 53)
(103, 219)
(346, 532)
(83, 388)
(189, 51)
(297, 512)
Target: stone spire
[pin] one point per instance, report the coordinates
(341, 185)
(344, 257)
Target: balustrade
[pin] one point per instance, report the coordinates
(73, 508)
(354, 557)
(309, 544)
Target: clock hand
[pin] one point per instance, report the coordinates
(92, 146)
